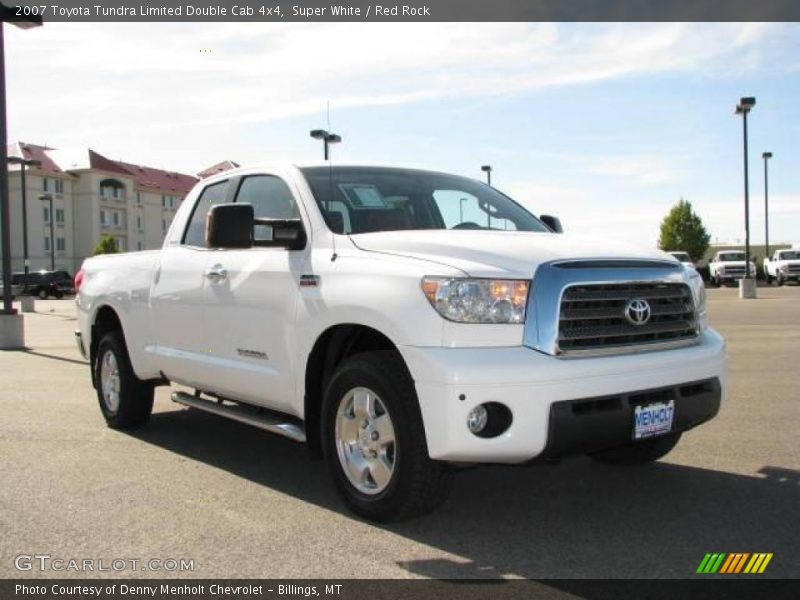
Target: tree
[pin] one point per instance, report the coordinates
(683, 230)
(106, 245)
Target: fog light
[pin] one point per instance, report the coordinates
(477, 419)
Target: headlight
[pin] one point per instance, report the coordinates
(784, 268)
(699, 295)
(478, 300)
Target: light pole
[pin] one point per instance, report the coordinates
(12, 328)
(766, 156)
(24, 162)
(49, 198)
(747, 287)
(327, 138)
(488, 170)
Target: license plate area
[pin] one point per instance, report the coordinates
(653, 419)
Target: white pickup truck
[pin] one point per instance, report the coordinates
(784, 266)
(403, 323)
(727, 267)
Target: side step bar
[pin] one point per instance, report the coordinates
(244, 414)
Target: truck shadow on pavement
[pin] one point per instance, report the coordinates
(577, 519)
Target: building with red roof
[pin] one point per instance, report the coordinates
(92, 196)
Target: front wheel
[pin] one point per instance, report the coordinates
(43, 295)
(641, 452)
(374, 440)
(125, 400)
(780, 280)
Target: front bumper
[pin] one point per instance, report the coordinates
(79, 343)
(452, 381)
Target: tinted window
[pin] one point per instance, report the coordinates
(367, 199)
(196, 230)
(271, 199)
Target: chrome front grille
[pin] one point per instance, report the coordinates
(794, 268)
(593, 316)
(734, 270)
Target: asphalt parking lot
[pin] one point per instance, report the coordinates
(243, 503)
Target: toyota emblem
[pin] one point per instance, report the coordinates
(637, 311)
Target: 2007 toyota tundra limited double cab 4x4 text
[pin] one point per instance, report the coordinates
(403, 323)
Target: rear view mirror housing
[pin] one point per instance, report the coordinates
(554, 223)
(234, 226)
(230, 226)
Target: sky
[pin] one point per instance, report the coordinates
(605, 125)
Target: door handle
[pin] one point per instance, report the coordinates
(216, 274)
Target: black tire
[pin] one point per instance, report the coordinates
(715, 281)
(639, 453)
(769, 279)
(417, 484)
(780, 281)
(42, 293)
(59, 295)
(135, 397)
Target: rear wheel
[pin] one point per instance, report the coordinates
(639, 453)
(374, 441)
(125, 400)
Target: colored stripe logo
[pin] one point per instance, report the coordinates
(734, 563)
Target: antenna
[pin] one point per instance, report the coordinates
(334, 256)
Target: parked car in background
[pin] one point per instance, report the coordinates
(728, 266)
(683, 258)
(784, 266)
(15, 290)
(44, 284)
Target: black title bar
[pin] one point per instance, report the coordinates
(405, 10)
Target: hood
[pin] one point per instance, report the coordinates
(735, 263)
(498, 253)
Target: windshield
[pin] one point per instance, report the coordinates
(681, 256)
(789, 255)
(731, 256)
(369, 199)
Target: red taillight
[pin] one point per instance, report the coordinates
(78, 280)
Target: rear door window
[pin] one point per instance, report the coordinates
(271, 199)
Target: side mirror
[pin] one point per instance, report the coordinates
(281, 233)
(554, 223)
(234, 226)
(230, 226)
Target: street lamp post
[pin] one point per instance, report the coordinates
(488, 170)
(747, 288)
(12, 329)
(327, 138)
(23, 162)
(766, 156)
(49, 198)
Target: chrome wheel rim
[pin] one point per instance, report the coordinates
(365, 441)
(109, 381)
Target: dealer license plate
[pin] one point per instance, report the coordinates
(653, 419)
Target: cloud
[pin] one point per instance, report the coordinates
(635, 168)
(155, 76)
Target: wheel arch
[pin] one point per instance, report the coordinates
(332, 346)
(106, 319)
